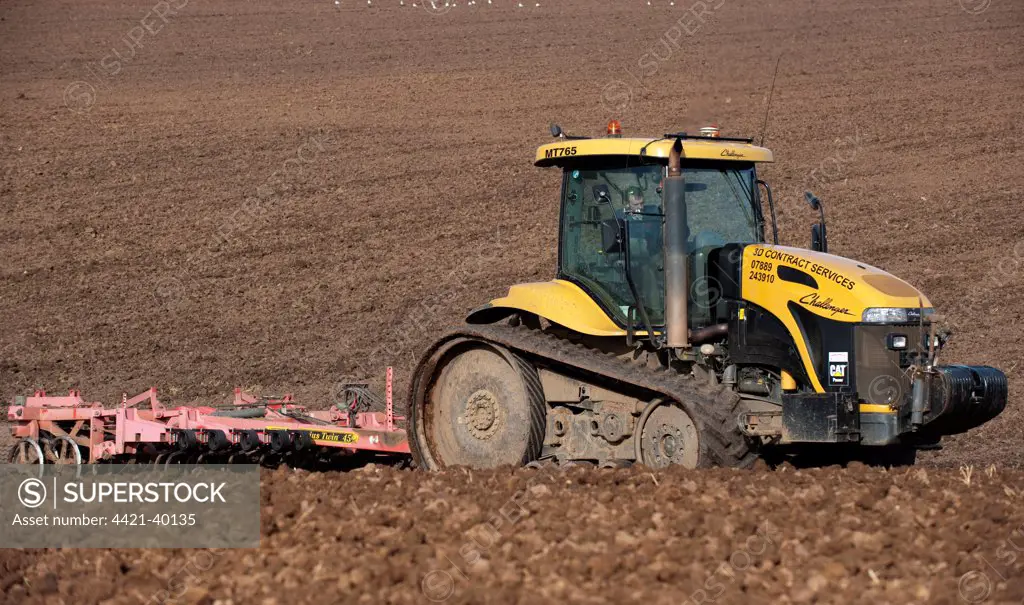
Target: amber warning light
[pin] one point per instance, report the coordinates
(614, 128)
(710, 131)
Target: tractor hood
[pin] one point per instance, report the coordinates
(834, 287)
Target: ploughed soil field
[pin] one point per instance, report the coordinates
(286, 196)
(379, 535)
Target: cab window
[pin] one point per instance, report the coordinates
(602, 202)
(595, 202)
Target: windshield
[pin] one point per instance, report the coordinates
(720, 207)
(601, 203)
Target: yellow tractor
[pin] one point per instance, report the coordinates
(678, 331)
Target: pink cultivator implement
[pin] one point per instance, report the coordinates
(69, 430)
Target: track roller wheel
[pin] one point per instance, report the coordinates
(539, 465)
(578, 464)
(699, 432)
(478, 405)
(668, 435)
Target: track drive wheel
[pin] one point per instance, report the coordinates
(478, 405)
(700, 432)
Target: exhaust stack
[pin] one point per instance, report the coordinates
(677, 323)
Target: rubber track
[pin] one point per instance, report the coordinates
(714, 408)
(538, 408)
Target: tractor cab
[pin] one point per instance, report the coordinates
(611, 238)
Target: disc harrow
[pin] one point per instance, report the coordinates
(254, 430)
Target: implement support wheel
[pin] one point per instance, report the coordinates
(26, 451)
(62, 450)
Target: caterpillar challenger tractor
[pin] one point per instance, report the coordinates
(678, 331)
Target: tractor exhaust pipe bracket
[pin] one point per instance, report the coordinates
(677, 323)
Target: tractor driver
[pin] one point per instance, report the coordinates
(636, 209)
(634, 200)
(645, 221)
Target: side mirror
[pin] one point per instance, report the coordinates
(556, 130)
(819, 237)
(819, 240)
(601, 195)
(771, 209)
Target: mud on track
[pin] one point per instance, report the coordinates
(388, 153)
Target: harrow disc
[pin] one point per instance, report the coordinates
(174, 458)
(280, 441)
(187, 440)
(250, 441)
(217, 441)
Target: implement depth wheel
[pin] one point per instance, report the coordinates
(479, 406)
(62, 450)
(26, 451)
